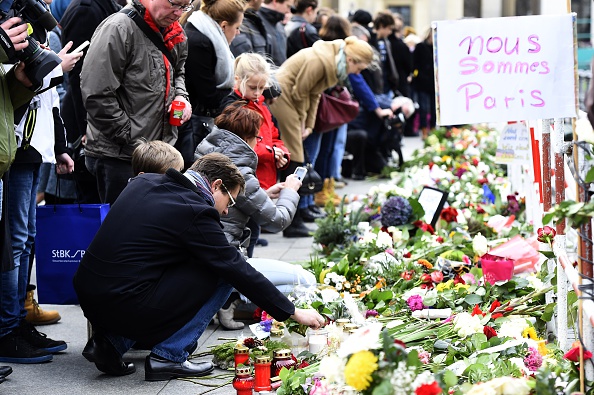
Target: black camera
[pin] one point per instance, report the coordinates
(38, 61)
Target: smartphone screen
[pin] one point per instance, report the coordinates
(300, 172)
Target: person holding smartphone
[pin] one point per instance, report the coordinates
(235, 135)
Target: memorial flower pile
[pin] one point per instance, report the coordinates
(437, 326)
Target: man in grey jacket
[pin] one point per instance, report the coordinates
(128, 85)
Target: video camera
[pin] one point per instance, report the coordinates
(38, 61)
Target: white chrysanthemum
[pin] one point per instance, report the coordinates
(535, 282)
(384, 240)
(332, 368)
(467, 325)
(513, 327)
(364, 338)
(509, 386)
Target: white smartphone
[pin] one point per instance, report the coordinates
(81, 47)
(300, 172)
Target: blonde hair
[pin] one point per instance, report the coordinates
(156, 157)
(223, 10)
(358, 50)
(248, 65)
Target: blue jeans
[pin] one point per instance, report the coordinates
(338, 152)
(22, 189)
(311, 145)
(178, 346)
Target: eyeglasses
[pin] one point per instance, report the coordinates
(259, 138)
(184, 8)
(231, 200)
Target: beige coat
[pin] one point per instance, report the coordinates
(303, 77)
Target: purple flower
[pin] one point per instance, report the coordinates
(533, 360)
(396, 211)
(415, 302)
(266, 325)
(513, 206)
(371, 313)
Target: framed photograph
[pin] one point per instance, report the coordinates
(432, 200)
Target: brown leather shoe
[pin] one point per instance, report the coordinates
(36, 315)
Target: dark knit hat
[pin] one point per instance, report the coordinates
(362, 17)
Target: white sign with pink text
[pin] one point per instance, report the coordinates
(505, 69)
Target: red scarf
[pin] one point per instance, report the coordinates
(172, 35)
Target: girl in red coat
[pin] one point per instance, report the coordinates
(252, 78)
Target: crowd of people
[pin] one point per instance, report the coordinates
(248, 76)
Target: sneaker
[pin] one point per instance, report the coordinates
(40, 340)
(15, 349)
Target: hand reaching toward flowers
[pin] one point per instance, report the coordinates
(309, 317)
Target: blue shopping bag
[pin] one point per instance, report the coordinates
(64, 233)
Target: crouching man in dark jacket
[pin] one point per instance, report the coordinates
(159, 278)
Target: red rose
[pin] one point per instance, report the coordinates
(496, 315)
(439, 239)
(303, 364)
(408, 254)
(257, 314)
(431, 165)
(546, 234)
(574, 354)
(407, 275)
(426, 278)
(494, 305)
(459, 280)
(489, 332)
(425, 227)
(477, 311)
(475, 161)
(429, 389)
(449, 214)
(480, 210)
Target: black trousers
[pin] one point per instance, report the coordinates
(112, 176)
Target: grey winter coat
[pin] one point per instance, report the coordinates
(124, 88)
(255, 203)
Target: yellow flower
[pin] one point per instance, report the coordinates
(441, 286)
(359, 368)
(459, 285)
(542, 347)
(530, 333)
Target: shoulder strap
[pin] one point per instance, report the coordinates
(148, 32)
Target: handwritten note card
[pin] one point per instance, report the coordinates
(505, 69)
(514, 145)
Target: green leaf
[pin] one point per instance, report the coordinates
(590, 175)
(548, 254)
(473, 299)
(384, 388)
(449, 378)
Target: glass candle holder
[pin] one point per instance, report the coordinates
(262, 373)
(317, 339)
(241, 354)
(282, 359)
(243, 381)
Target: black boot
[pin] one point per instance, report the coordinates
(297, 227)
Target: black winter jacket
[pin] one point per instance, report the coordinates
(145, 276)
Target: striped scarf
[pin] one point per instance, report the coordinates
(202, 184)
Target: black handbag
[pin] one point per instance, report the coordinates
(312, 182)
(190, 134)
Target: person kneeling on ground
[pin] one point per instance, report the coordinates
(167, 273)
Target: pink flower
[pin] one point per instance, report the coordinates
(469, 278)
(390, 251)
(437, 277)
(425, 357)
(533, 360)
(415, 302)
